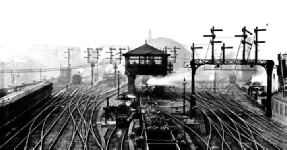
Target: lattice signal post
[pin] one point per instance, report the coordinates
(267, 64)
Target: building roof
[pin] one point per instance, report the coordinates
(146, 49)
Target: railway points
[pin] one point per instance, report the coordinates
(131, 108)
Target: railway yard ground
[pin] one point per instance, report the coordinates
(74, 119)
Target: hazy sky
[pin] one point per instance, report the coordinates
(24, 23)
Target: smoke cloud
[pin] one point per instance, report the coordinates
(174, 79)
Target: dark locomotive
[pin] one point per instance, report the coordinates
(125, 111)
(77, 79)
(258, 93)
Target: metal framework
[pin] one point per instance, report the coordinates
(267, 64)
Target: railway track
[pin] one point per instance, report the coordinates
(68, 122)
(13, 139)
(199, 141)
(232, 126)
(117, 139)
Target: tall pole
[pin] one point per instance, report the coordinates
(269, 69)
(214, 86)
(97, 58)
(244, 47)
(115, 67)
(192, 102)
(69, 65)
(111, 55)
(118, 84)
(12, 77)
(120, 54)
(92, 63)
(244, 36)
(92, 73)
(256, 42)
(40, 74)
(193, 70)
(184, 84)
(213, 36)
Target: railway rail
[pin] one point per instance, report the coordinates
(67, 122)
(231, 125)
(116, 139)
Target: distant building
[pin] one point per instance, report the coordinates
(2, 76)
(149, 35)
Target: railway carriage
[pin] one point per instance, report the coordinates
(21, 104)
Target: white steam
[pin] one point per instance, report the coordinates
(174, 79)
(261, 78)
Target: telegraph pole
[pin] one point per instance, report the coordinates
(69, 65)
(213, 36)
(244, 35)
(256, 42)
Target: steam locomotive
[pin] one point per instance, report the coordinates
(258, 92)
(77, 79)
(125, 111)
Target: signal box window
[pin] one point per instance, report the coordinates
(134, 60)
(158, 60)
(149, 60)
(142, 60)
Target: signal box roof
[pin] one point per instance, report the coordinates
(146, 50)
